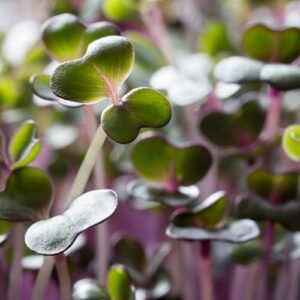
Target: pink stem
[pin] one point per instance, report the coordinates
(206, 271)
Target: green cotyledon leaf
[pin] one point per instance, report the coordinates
(157, 160)
(67, 38)
(98, 74)
(141, 107)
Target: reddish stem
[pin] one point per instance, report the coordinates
(206, 271)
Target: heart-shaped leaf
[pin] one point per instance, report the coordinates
(89, 289)
(98, 74)
(267, 44)
(159, 161)
(291, 142)
(41, 87)
(57, 234)
(238, 129)
(237, 232)
(118, 284)
(208, 214)
(24, 147)
(266, 184)
(26, 197)
(67, 38)
(141, 107)
(256, 208)
(143, 192)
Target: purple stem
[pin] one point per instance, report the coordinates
(273, 114)
(206, 271)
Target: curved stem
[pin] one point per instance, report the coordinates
(87, 165)
(63, 277)
(206, 272)
(15, 274)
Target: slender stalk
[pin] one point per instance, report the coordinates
(273, 114)
(87, 165)
(15, 274)
(76, 189)
(206, 272)
(102, 250)
(63, 277)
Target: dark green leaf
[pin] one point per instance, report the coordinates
(26, 197)
(159, 161)
(257, 208)
(281, 186)
(56, 235)
(141, 107)
(238, 129)
(270, 45)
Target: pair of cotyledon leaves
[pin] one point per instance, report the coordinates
(99, 74)
(206, 222)
(147, 273)
(268, 44)
(162, 164)
(271, 197)
(238, 129)
(118, 287)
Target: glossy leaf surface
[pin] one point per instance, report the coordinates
(98, 74)
(141, 107)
